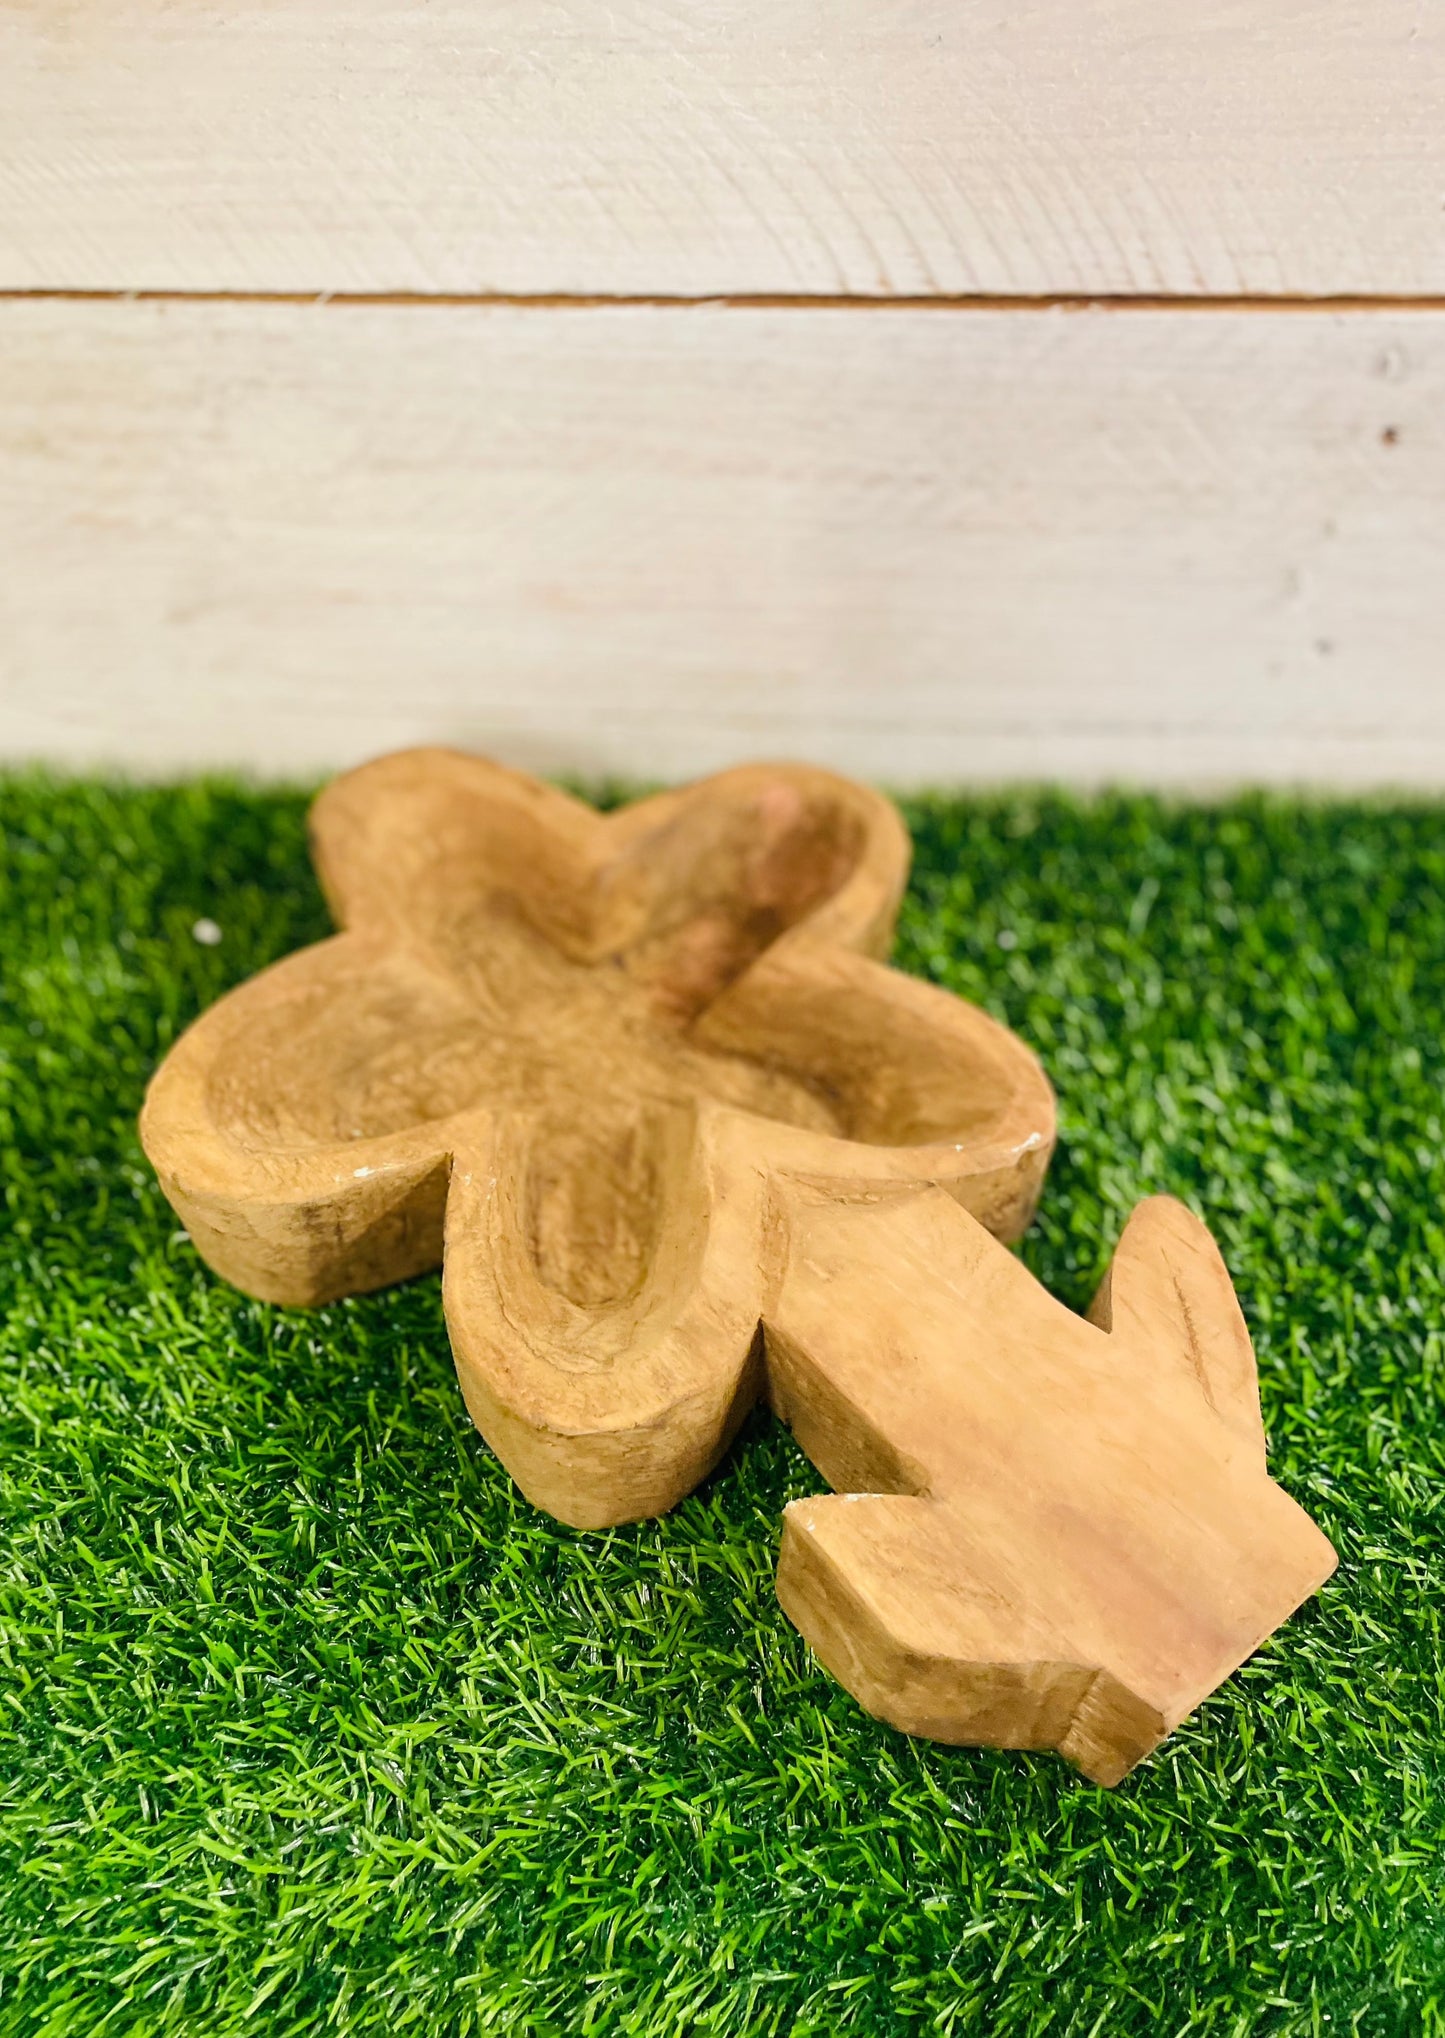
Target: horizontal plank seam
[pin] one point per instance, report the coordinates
(738, 301)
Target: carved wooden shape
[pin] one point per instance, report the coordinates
(683, 1140)
(1052, 1533)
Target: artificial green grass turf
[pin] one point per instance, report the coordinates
(311, 1724)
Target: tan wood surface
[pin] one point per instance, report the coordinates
(917, 147)
(1050, 1533)
(684, 1140)
(922, 545)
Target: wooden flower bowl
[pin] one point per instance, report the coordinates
(682, 1140)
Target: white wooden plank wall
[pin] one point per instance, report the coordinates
(1191, 535)
(718, 147)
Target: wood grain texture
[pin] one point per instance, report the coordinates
(584, 1045)
(515, 966)
(922, 545)
(1048, 1533)
(682, 1140)
(917, 147)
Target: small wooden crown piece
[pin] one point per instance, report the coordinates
(682, 1140)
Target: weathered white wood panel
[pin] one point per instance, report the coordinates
(922, 544)
(724, 146)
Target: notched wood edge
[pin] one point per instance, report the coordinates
(1049, 1705)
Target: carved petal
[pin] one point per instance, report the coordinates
(696, 885)
(301, 1127)
(414, 847)
(924, 1087)
(609, 1408)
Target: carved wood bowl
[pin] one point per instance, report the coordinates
(554, 1025)
(683, 1140)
